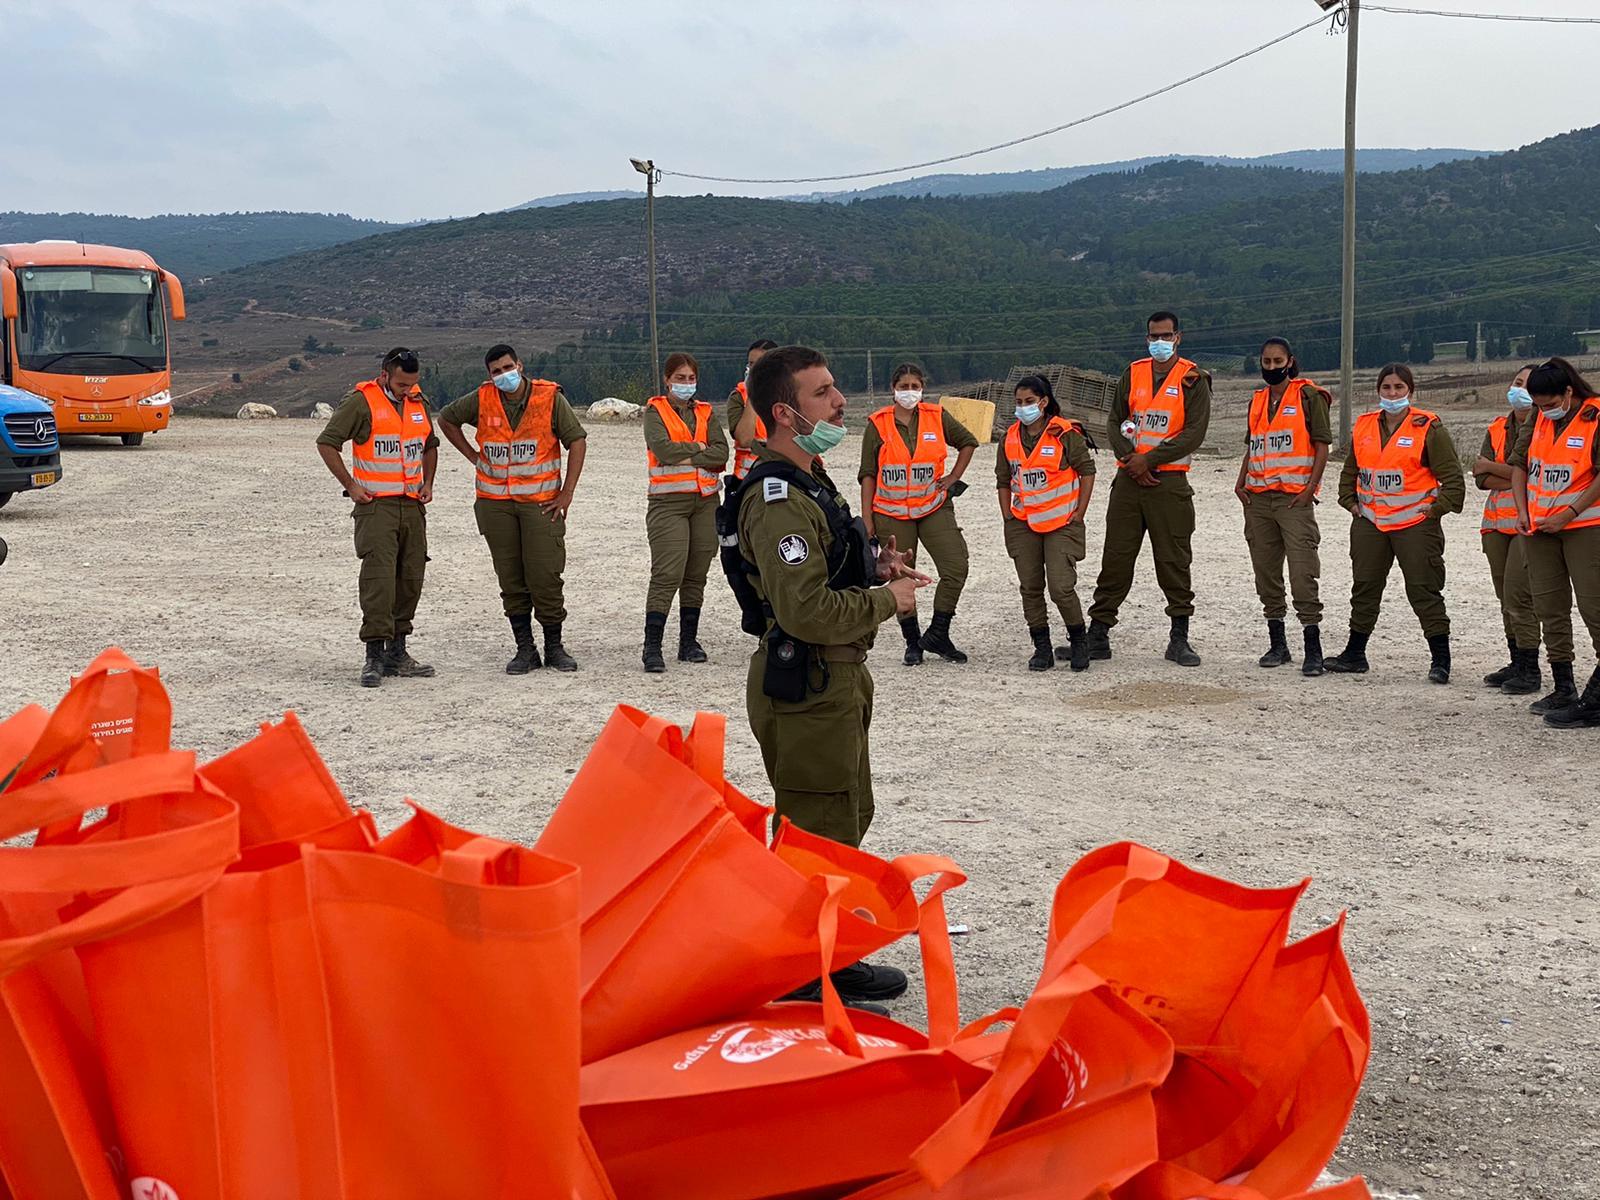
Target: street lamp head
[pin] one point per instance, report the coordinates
(1326, 5)
(640, 166)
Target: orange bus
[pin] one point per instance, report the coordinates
(86, 328)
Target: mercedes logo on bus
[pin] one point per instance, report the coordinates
(41, 430)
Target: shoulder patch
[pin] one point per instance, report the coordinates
(1589, 414)
(773, 488)
(1420, 422)
(792, 548)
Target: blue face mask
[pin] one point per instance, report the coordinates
(1519, 398)
(824, 436)
(1029, 413)
(1163, 350)
(1394, 404)
(684, 391)
(508, 381)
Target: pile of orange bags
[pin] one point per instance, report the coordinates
(219, 983)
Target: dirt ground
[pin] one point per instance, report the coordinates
(1451, 825)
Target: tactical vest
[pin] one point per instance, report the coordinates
(851, 558)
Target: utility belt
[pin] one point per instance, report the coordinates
(796, 669)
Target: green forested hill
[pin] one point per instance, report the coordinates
(195, 245)
(974, 284)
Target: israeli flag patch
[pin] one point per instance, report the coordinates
(773, 488)
(1405, 441)
(930, 437)
(1172, 391)
(1290, 411)
(1575, 443)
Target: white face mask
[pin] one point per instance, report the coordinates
(908, 399)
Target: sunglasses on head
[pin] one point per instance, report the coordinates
(404, 360)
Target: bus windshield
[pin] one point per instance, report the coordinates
(91, 320)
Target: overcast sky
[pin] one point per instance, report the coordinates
(409, 110)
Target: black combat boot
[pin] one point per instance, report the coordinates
(1178, 648)
(1352, 660)
(655, 628)
(1043, 658)
(1278, 648)
(1439, 669)
(1496, 678)
(1583, 713)
(527, 656)
(1099, 640)
(1524, 679)
(858, 985)
(937, 639)
(397, 662)
(911, 630)
(1313, 661)
(1565, 692)
(555, 654)
(1078, 644)
(372, 669)
(689, 648)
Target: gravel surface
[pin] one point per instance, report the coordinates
(1448, 822)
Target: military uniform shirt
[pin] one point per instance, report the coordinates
(563, 420)
(352, 422)
(1519, 457)
(1438, 455)
(956, 435)
(788, 540)
(1196, 417)
(1314, 405)
(1078, 456)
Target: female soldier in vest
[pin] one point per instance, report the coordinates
(1286, 450)
(905, 494)
(1503, 546)
(744, 423)
(1401, 476)
(1046, 475)
(1556, 484)
(685, 450)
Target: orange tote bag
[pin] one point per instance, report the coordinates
(785, 1099)
(400, 1020)
(1271, 1038)
(688, 916)
(162, 841)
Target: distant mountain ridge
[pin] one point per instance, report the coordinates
(195, 245)
(1376, 160)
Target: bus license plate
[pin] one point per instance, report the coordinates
(44, 479)
(92, 418)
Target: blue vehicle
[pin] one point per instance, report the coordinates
(30, 453)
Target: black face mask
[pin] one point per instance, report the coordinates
(1274, 375)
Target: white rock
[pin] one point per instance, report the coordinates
(612, 409)
(256, 412)
(323, 411)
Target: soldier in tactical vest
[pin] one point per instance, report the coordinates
(815, 589)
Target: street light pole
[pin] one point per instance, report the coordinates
(1347, 313)
(647, 168)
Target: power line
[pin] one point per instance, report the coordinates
(1469, 16)
(1032, 137)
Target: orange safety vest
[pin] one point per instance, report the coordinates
(1158, 412)
(524, 463)
(744, 459)
(1561, 467)
(681, 478)
(1393, 489)
(1500, 507)
(389, 462)
(1044, 487)
(1281, 453)
(908, 477)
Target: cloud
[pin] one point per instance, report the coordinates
(407, 110)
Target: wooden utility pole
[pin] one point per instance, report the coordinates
(871, 382)
(647, 168)
(1347, 316)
